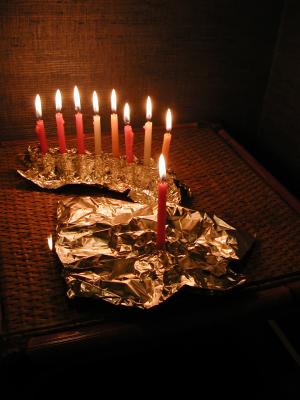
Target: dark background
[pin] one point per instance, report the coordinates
(227, 61)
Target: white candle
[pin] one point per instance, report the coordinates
(114, 125)
(167, 136)
(97, 124)
(148, 133)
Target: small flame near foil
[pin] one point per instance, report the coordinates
(50, 242)
(162, 167)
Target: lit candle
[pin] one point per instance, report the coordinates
(79, 123)
(162, 201)
(60, 123)
(114, 125)
(97, 124)
(167, 136)
(128, 134)
(148, 133)
(39, 127)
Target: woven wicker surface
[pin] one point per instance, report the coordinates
(32, 289)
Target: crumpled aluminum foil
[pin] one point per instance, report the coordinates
(55, 170)
(108, 250)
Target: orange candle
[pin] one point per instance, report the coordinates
(148, 133)
(167, 136)
(60, 123)
(129, 135)
(39, 127)
(162, 201)
(114, 125)
(79, 122)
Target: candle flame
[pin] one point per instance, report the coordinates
(113, 101)
(95, 103)
(126, 113)
(149, 108)
(58, 101)
(162, 167)
(38, 106)
(50, 242)
(169, 120)
(77, 99)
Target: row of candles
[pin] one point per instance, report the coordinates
(128, 132)
(129, 138)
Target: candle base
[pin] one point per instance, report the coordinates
(135, 180)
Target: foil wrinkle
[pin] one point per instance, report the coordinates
(137, 181)
(108, 250)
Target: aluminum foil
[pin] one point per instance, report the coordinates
(108, 250)
(138, 181)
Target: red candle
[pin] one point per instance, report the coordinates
(162, 200)
(79, 123)
(60, 123)
(39, 127)
(129, 135)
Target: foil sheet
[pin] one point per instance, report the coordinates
(108, 251)
(137, 181)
